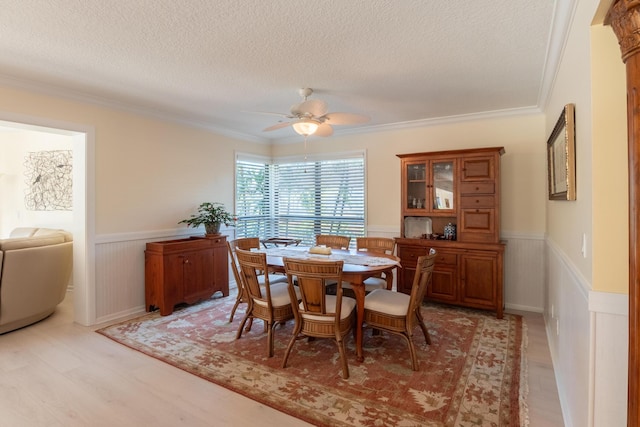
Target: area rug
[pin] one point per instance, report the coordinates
(473, 373)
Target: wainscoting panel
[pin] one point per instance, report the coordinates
(524, 272)
(120, 272)
(568, 330)
(119, 279)
(610, 349)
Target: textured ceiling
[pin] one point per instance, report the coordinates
(218, 63)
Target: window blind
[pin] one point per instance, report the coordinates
(300, 199)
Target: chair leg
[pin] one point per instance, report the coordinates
(343, 358)
(270, 338)
(235, 307)
(412, 352)
(249, 325)
(244, 320)
(425, 331)
(294, 338)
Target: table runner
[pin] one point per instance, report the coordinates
(348, 258)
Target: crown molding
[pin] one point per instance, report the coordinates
(74, 95)
(66, 93)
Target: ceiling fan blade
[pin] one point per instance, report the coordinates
(270, 113)
(346, 118)
(277, 126)
(312, 107)
(323, 130)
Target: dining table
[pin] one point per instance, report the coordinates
(358, 266)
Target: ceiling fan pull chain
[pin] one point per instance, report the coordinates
(305, 153)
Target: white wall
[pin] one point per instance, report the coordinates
(14, 146)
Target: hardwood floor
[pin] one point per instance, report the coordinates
(542, 400)
(56, 373)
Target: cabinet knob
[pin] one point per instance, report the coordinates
(186, 261)
(477, 188)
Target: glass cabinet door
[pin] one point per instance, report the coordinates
(443, 196)
(416, 196)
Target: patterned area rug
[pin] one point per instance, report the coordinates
(473, 373)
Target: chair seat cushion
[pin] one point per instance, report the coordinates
(389, 302)
(279, 295)
(273, 279)
(348, 304)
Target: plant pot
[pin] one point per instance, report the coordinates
(212, 228)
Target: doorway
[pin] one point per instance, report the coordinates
(82, 140)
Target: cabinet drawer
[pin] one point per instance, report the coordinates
(409, 255)
(446, 258)
(470, 202)
(477, 188)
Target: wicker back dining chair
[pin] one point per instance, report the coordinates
(376, 245)
(318, 314)
(379, 245)
(333, 241)
(268, 302)
(246, 243)
(398, 313)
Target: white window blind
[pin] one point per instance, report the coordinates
(300, 199)
(253, 205)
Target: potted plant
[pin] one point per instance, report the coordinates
(211, 215)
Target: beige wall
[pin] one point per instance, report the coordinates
(152, 173)
(149, 174)
(568, 221)
(591, 76)
(610, 171)
(523, 165)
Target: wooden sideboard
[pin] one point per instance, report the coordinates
(459, 188)
(185, 271)
(465, 274)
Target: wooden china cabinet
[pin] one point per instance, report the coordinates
(454, 190)
(185, 271)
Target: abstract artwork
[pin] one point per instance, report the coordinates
(49, 180)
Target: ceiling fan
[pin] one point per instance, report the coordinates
(310, 117)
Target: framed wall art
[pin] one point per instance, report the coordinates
(561, 156)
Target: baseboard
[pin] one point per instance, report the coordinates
(520, 307)
(121, 315)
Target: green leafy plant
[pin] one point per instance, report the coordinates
(211, 215)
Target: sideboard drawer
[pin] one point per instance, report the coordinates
(446, 258)
(409, 255)
(467, 202)
(477, 188)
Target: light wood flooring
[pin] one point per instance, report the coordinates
(57, 373)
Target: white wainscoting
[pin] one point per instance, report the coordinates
(609, 358)
(120, 271)
(588, 340)
(524, 271)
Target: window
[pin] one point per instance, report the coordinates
(299, 199)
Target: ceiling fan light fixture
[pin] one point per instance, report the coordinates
(305, 127)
